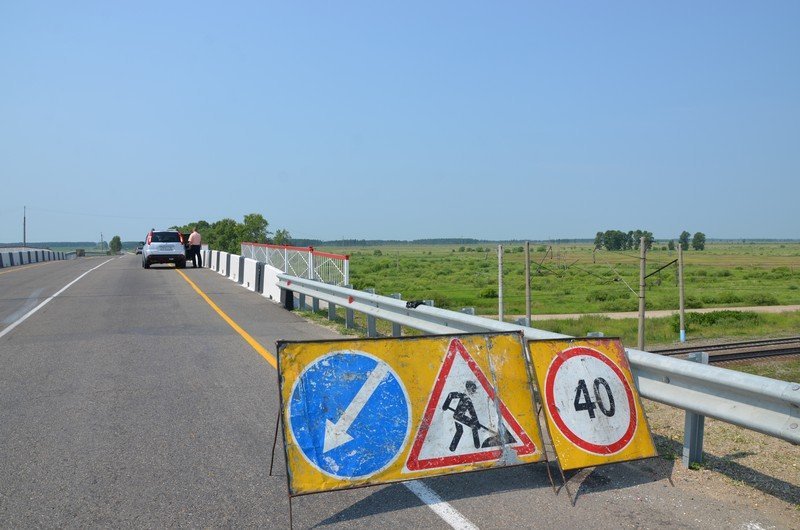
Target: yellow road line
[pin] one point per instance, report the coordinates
(21, 267)
(236, 327)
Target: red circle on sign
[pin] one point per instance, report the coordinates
(559, 421)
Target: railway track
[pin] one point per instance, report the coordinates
(740, 351)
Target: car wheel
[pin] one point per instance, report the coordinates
(146, 264)
(180, 264)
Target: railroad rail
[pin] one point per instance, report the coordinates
(740, 351)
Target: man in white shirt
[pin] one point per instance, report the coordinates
(194, 248)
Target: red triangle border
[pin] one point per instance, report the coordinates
(413, 463)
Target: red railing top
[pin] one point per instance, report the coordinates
(301, 249)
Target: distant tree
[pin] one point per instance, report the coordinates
(699, 241)
(598, 240)
(115, 245)
(254, 228)
(684, 240)
(225, 236)
(282, 237)
(671, 244)
(614, 240)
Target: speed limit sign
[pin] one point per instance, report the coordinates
(592, 408)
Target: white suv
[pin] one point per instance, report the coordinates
(164, 246)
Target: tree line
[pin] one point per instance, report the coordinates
(631, 240)
(228, 235)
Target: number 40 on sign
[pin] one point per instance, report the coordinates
(592, 408)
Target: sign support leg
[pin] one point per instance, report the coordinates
(275, 443)
(566, 487)
(291, 521)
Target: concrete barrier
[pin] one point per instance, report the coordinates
(251, 273)
(224, 263)
(234, 267)
(271, 289)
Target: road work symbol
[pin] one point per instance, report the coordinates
(464, 400)
(349, 414)
(464, 415)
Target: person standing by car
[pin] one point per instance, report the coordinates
(194, 248)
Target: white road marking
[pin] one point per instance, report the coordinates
(45, 302)
(449, 514)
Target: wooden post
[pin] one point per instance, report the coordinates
(642, 257)
(500, 282)
(681, 296)
(528, 281)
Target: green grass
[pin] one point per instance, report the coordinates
(784, 369)
(574, 279)
(665, 331)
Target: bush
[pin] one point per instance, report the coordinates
(761, 299)
(377, 252)
(692, 302)
(489, 292)
(716, 318)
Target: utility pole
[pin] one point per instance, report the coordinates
(642, 256)
(500, 282)
(528, 281)
(681, 293)
(24, 227)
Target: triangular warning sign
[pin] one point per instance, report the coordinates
(461, 424)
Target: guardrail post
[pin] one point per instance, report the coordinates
(694, 425)
(397, 330)
(301, 301)
(331, 311)
(468, 310)
(287, 299)
(428, 303)
(372, 330)
(349, 314)
(523, 321)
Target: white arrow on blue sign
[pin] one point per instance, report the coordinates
(349, 414)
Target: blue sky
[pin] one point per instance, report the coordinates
(403, 120)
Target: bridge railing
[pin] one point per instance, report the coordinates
(303, 262)
(758, 403)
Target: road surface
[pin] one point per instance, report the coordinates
(127, 400)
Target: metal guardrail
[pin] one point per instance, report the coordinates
(303, 262)
(758, 403)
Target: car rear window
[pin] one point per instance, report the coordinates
(165, 237)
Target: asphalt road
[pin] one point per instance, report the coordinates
(127, 401)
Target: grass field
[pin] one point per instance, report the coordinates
(574, 279)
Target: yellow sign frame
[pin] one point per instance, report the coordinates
(414, 366)
(604, 439)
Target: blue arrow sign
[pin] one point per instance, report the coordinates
(349, 414)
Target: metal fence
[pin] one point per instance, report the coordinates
(302, 262)
(758, 403)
